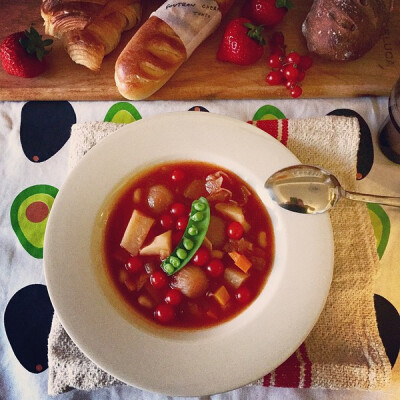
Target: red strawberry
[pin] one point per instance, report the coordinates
(22, 53)
(266, 12)
(242, 42)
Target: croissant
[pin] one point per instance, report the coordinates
(90, 29)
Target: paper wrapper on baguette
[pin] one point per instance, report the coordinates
(90, 29)
(163, 43)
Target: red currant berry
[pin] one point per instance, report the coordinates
(177, 175)
(301, 76)
(243, 295)
(290, 85)
(305, 62)
(293, 57)
(164, 313)
(178, 209)
(173, 297)
(158, 279)
(201, 257)
(278, 39)
(296, 91)
(277, 50)
(234, 230)
(181, 223)
(176, 237)
(274, 78)
(166, 221)
(275, 61)
(215, 268)
(134, 264)
(291, 73)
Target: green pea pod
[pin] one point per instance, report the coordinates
(192, 238)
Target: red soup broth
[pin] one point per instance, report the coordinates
(211, 288)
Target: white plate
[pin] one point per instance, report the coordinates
(189, 363)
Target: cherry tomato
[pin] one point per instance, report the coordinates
(234, 230)
(291, 73)
(293, 57)
(215, 268)
(176, 237)
(173, 297)
(134, 264)
(296, 91)
(158, 279)
(275, 61)
(177, 175)
(243, 294)
(178, 209)
(274, 78)
(201, 257)
(164, 313)
(305, 62)
(166, 221)
(181, 223)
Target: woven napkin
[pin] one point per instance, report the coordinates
(344, 349)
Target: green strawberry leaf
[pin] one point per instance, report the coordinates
(284, 3)
(33, 43)
(255, 32)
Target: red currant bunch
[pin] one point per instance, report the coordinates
(287, 69)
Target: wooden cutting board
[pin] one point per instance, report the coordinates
(202, 76)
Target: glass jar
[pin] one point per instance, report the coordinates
(389, 134)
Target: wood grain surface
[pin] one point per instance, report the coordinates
(202, 76)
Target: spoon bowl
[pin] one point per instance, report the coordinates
(308, 189)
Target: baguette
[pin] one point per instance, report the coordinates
(153, 55)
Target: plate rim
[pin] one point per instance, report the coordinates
(97, 151)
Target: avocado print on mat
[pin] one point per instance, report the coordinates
(29, 214)
(198, 108)
(268, 112)
(122, 113)
(45, 128)
(388, 320)
(27, 322)
(381, 224)
(365, 155)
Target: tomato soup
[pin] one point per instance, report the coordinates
(188, 244)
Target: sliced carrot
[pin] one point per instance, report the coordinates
(222, 296)
(240, 261)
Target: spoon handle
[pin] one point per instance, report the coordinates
(372, 198)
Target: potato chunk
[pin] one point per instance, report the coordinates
(234, 212)
(136, 232)
(161, 245)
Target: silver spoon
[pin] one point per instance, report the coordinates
(312, 190)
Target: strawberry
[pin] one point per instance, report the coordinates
(242, 42)
(266, 12)
(22, 53)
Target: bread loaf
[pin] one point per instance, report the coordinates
(344, 29)
(89, 29)
(159, 48)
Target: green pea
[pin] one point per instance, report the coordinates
(193, 231)
(197, 216)
(188, 244)
(198, 206)
(168, 268)
(181, 253)
(175, 261)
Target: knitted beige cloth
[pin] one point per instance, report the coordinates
(344, 349)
